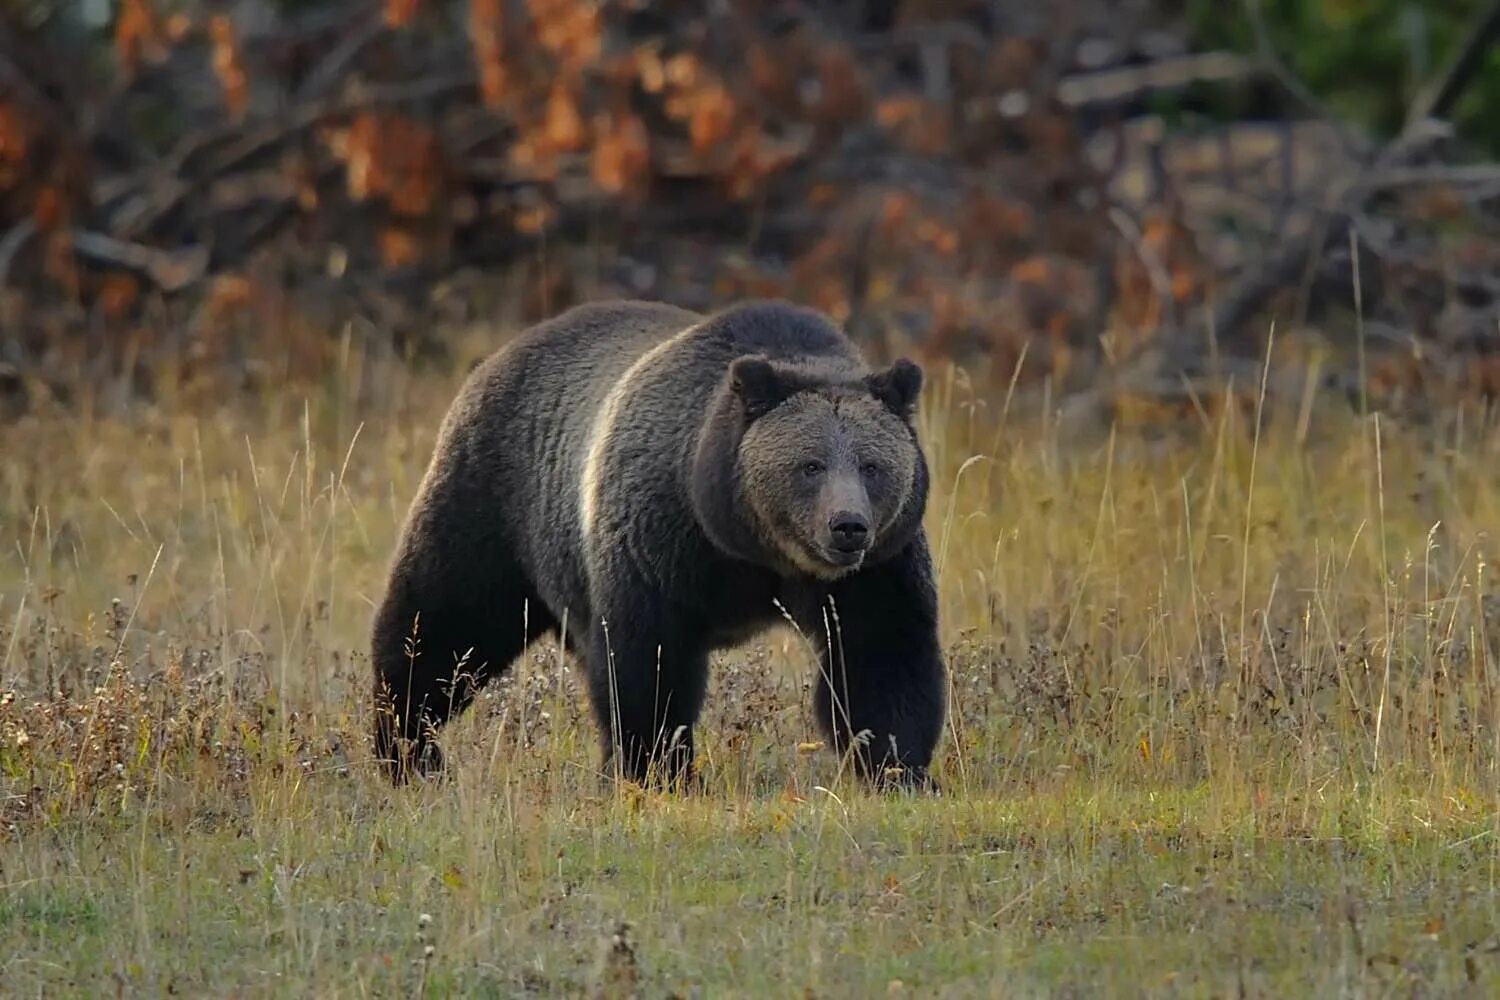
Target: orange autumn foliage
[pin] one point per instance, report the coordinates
(139, 36)
(399, 13)
(396, 158)
(399, 247)
(15, 144)
(563, 129)
(572, 32)
(118, 292)
(229, 66)
(842, 93)
(621, 163)
(487, 37)
(917, 124)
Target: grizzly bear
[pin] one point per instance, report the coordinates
(653, 484)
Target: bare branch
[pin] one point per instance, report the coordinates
(1437, 99)
(170, 270)
(1126, 82)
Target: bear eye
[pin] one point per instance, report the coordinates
(812, 468)
(870, 470)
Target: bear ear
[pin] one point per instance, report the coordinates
(758, 385)
(897, 386)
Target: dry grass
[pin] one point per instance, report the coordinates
(1224, 718)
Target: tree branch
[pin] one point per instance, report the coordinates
(1436, 100)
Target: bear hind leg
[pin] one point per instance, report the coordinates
(437, 642)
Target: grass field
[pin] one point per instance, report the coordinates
(1224, 721)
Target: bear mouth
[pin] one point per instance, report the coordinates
(815, 559)
(840, 559)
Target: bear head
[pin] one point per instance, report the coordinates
(827, 472)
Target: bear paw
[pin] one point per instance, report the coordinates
(424, 760)
(908, 779)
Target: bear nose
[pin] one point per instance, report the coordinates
(851, 532)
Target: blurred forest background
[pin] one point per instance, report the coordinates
(1108, 200)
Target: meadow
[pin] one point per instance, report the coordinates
(1224, 720)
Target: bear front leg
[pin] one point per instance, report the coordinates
(646, 687)
(881, 683)
(430, 658)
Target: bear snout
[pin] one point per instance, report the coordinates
(849, 532)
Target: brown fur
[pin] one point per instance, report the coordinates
(664, 484)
